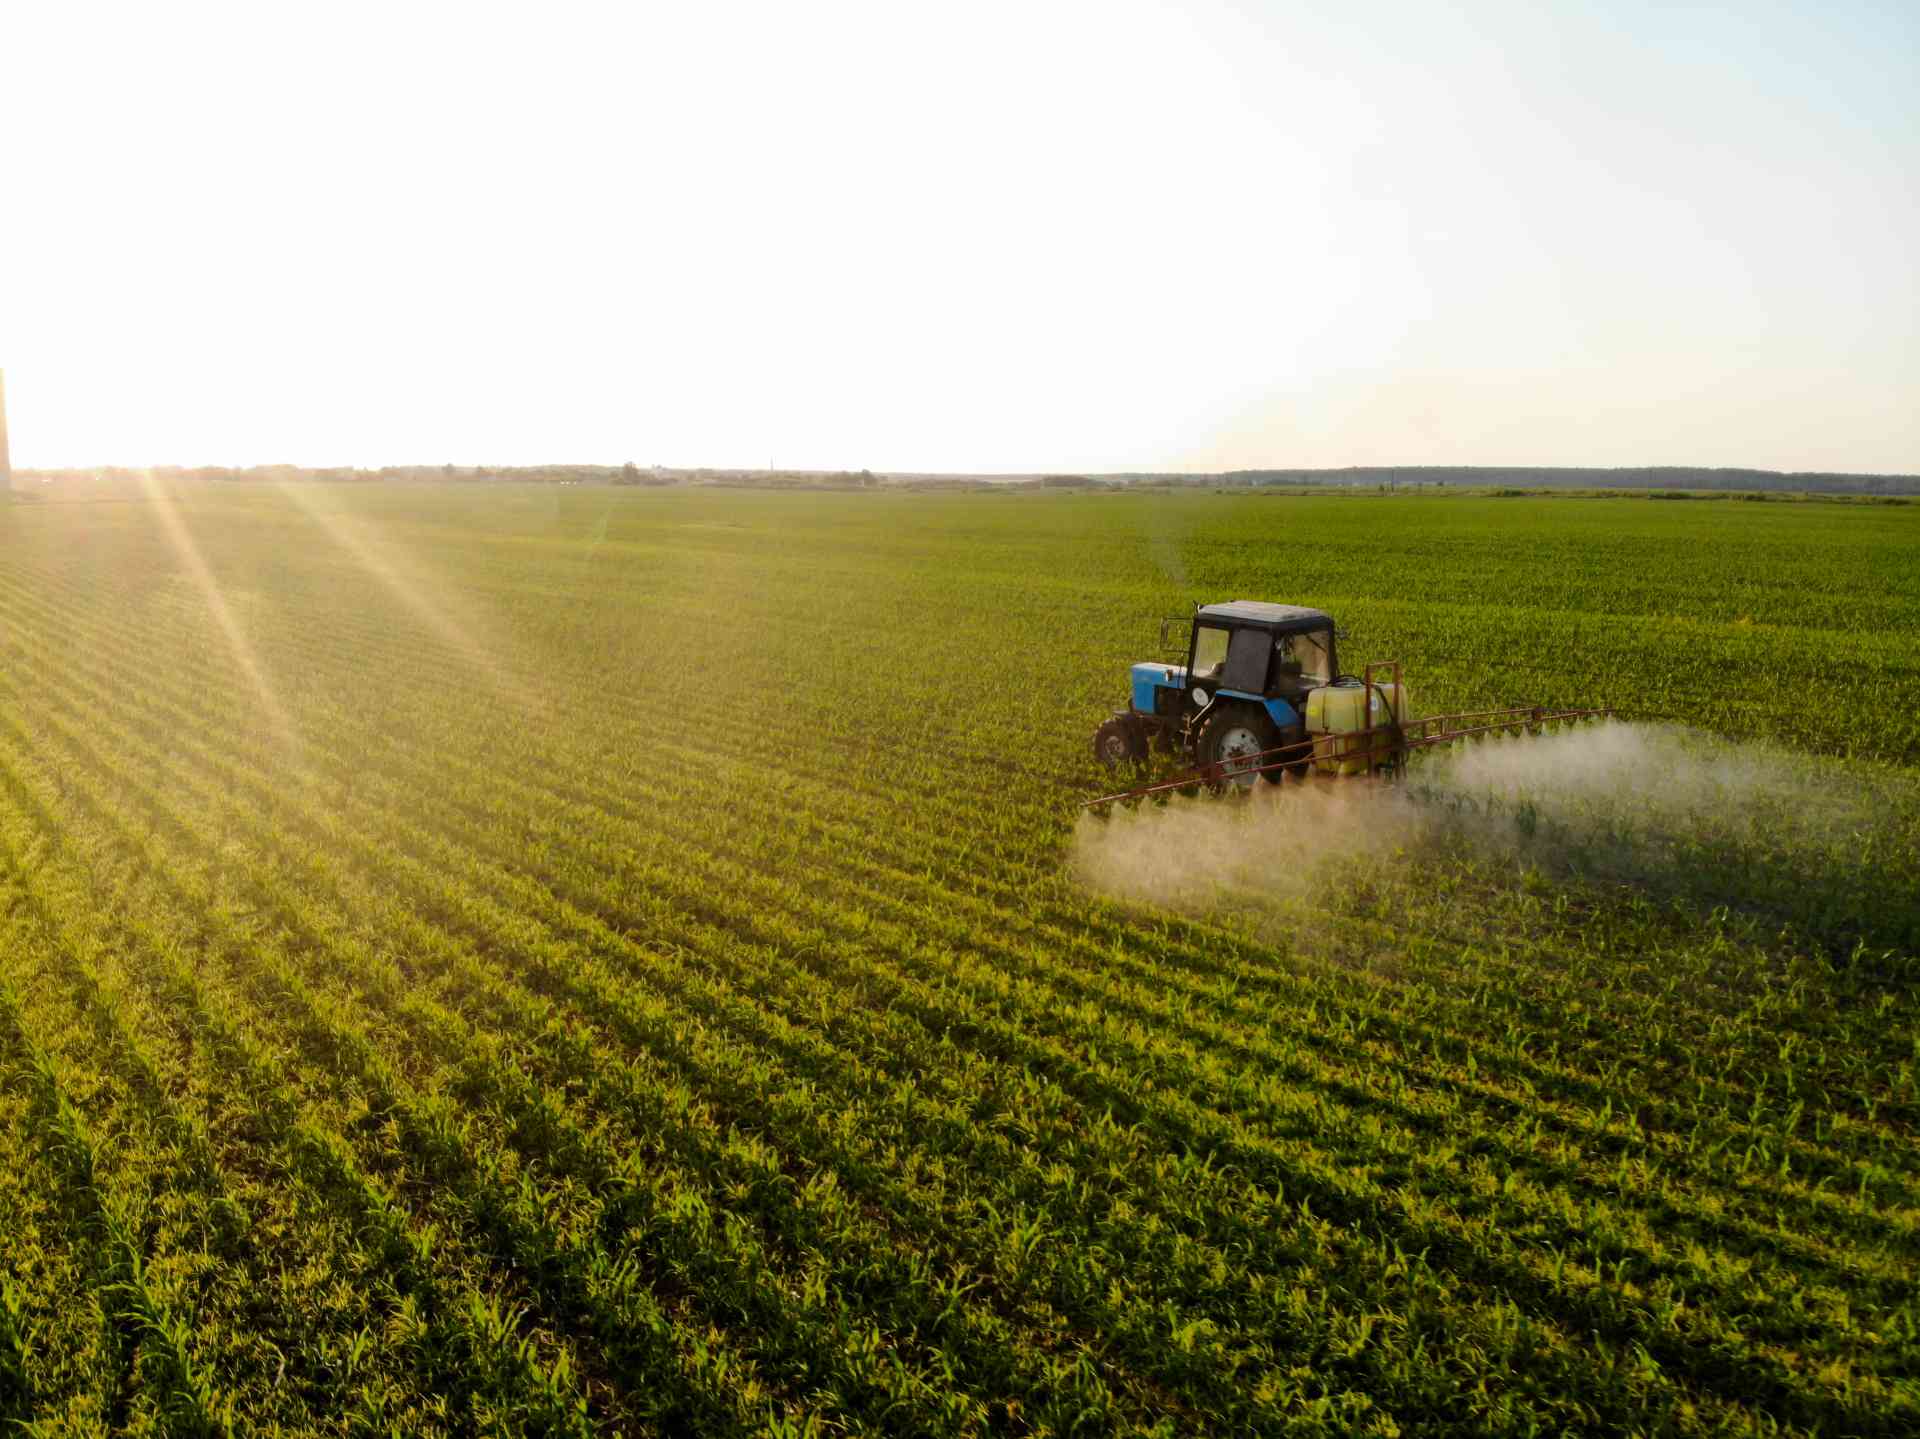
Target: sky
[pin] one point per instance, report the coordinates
(1018, 237)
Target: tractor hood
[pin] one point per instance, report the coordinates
(1148, 676)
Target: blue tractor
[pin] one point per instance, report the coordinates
(1242, 693)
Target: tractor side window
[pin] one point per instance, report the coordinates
(1209, 652)
(1314, 651)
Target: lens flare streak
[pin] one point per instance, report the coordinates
(179, 537)
(442, 614)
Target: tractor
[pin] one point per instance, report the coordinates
(1242, 692)
(1261, 694)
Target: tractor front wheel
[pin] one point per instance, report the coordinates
(1119, 741)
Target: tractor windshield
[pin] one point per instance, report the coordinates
(1312, 651)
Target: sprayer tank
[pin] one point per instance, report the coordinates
(1336, 714)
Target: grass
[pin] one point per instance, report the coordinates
(554, 961)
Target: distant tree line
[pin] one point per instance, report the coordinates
(627, 474)
(1649, 477)
(1670, 479)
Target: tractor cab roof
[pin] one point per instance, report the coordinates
(1281, 619)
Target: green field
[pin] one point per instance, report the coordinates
(579, 959)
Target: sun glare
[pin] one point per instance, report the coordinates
(452, 620)
(165, 509)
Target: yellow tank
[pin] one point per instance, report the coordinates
(1336, 712)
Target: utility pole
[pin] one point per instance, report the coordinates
(6, 463)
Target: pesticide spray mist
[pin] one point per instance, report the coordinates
(1832, 850)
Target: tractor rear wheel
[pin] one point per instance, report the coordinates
(1297, 768)
(1233, 742)
(1119, 741)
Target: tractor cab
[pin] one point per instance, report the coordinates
(1256, 650)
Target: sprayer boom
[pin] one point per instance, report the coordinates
(1377, 753)
(1262, 695)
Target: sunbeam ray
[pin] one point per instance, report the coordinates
(180, 538)
(444, 615)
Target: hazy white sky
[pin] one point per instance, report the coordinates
(1036, 235)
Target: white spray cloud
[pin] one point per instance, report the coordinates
(1831, 847)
